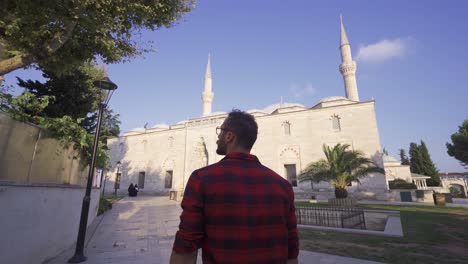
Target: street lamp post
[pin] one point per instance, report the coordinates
(107, 87)
(104, 186)
(117, 178)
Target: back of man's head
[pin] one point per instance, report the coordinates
(244, 126)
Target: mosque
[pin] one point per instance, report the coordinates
(160, 159)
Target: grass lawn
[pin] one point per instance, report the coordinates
(432, 235)
(105, 203)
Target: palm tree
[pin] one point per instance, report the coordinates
(341, 166)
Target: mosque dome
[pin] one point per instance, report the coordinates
(182, 122)
(388, 158)
(216, 113)
(161, 125)
(273, 107)
(256, 111)
(332, 98)
(138, 129)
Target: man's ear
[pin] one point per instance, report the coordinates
(230, 137)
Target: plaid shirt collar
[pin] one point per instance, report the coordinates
(241, 156)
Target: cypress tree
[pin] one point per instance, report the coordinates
(403, 158)
(415, 159)
(428, 167)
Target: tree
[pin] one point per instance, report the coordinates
(341, 167)
(60, 34)
(429, 166)
(385, 152)
(65, 105)
(459, 147)
(403, 158)
(421, 163)
(110, 125)
(415, 158)
(73, 93)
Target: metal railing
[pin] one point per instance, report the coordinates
(331, 216)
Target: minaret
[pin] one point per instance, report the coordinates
(207, 94)
(348, 66)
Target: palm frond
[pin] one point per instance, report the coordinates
(364, 171)
(341, 165)
(315, 171)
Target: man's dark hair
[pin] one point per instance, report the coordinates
(244, 126)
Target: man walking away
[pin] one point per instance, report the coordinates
(237, 210)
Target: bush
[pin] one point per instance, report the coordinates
(104, 205)
(401, 184)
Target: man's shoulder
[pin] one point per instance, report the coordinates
(275, 175)
(207, 168)
(221, 166)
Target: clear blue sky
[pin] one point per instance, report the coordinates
(413, 60)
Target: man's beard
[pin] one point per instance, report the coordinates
(222, 148)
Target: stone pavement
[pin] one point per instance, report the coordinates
(141, 230)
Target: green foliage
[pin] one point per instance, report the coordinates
(459, 147)
(401, 184)
(104, 205)
(60, 35)
(454, 190)
(415, 158)
(63, 105)
(68, 130)
(110, 124)
(404, 158)
(421, 163)
(385, 151)
(25, 107)
(74, 93)
(341, 166)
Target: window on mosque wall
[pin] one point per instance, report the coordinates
(290, 171)
(336, 125)
(168, 180)
(287, 128)
(141, 180)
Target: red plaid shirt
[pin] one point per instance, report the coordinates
(238, 211)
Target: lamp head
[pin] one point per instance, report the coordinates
(107, 88)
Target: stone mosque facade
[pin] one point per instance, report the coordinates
(160, 159)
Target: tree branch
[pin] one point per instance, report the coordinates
(16, 62)
(27, 58)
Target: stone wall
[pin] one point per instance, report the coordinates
(39, 221)
(394, 196)
(29, 154)
(41, 193)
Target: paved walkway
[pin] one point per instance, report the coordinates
(141, 230)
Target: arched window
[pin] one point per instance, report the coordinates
(336, 125)
(287, 128)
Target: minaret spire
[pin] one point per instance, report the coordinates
(207, 95)
(208, 67)
(348, 66)
(343, 38)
